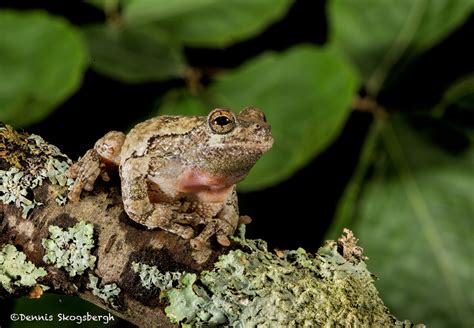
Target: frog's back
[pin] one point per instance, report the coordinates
(139, 137)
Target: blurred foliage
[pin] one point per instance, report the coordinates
(411, 197)
(42, 60)
(132, 55)
(205, 23)
(375, 34)
(416, 222)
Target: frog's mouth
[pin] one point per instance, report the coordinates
(207, 186)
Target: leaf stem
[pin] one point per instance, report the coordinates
(346, 209)
(112, 13)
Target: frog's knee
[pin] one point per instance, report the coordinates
(139, 211)
(109, 146)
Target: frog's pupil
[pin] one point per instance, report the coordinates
(222, 120)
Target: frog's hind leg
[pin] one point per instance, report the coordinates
(223, 225)
(133, 175)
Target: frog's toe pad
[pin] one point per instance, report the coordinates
(223, 240)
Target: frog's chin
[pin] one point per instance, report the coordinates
(206, 186)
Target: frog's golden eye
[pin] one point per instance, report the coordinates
(221, 121)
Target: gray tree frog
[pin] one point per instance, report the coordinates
(179, 172)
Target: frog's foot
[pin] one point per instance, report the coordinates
(158, 220)
(182, 231)
(221, 228)
(226, 229)
(202, 240)
(187, 219)
(198, 243)
(85, 172)
(178, 229)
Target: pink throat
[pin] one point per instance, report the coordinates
(207, 187)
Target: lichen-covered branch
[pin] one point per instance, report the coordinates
(151, 278)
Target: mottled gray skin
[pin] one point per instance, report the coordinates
(178, 172)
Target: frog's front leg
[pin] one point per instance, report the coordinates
(223, 226)
(134, 177)
(106, 151)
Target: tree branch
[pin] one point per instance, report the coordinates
(93, 250)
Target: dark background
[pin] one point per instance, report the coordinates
(297, 212)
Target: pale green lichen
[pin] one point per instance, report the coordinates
(108, 293)
(31, 160)
(14, 189)
(152, 276)
(256, 288)
(70, 249)
(16, 270)
(56, 172)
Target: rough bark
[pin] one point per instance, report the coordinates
(336, 274)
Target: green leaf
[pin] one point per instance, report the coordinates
(376, 34)
(306, 94)
(415, 224)
(133, 55)
(206, 23)
(42, 61)
(179, 102)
